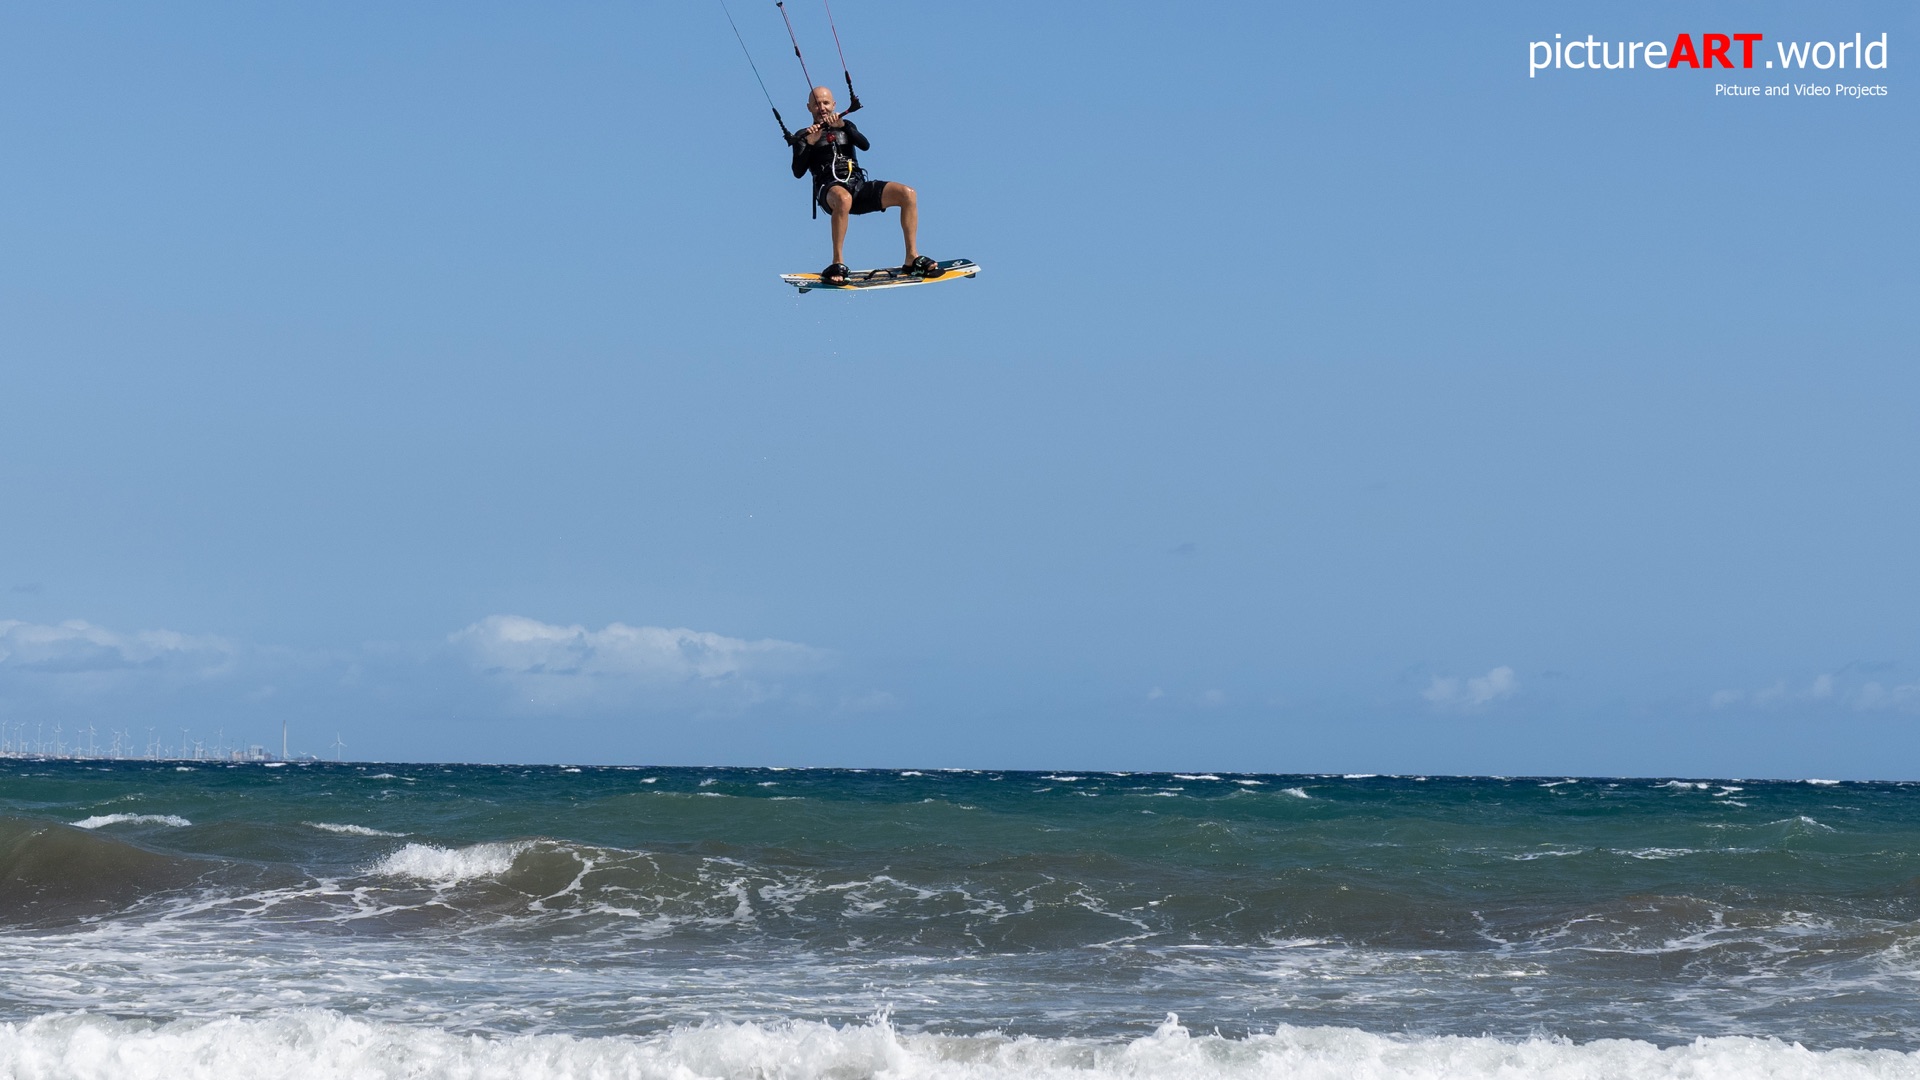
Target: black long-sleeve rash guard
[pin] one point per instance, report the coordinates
(818, 158)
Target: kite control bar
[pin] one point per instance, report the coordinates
(853, 99)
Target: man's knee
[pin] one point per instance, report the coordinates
(903, 195)
(838, 201)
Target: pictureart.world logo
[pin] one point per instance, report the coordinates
(1704, 52)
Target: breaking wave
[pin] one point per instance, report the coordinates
(55, 873)
(98, 820)
(508, 905)
(350, 830)
(445, 866)
(321, 1044)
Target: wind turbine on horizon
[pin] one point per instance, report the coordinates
(337, 746)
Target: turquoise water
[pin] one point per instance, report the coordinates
(1075, 912)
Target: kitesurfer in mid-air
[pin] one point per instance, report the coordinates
(840, 185)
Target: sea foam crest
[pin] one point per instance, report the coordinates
(99, 820)
(444, 866)
(350, 830)
(323, 1044)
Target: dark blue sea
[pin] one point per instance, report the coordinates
(200, 919)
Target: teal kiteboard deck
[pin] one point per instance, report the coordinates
(893, 278)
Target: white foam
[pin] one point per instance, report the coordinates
(350, 830)
(1194, 776)
(1803, 820)
(1824, 783)
(313, 1045)
(1298, 793)
(1660, 852)
(444, 866)
(98, 820)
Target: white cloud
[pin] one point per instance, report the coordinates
(76, 647)
(1450, 692)
(1822, 688)
(563, 664)
(1874, 697)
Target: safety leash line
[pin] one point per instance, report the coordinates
(781, 4)
(852, 98)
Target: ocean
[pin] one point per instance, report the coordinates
(202, 919)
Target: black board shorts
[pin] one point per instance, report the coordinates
(866, 195)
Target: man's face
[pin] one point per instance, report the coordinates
(820, 103)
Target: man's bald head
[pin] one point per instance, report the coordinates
(820, 102)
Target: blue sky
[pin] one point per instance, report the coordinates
(1335, 397)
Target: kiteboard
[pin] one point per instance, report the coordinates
(891, 278)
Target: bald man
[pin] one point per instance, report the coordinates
(841, 186)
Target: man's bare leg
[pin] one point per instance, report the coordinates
(839, 204)
(908, 200)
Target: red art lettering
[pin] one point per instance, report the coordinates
(1683, 50)
(1716, 46)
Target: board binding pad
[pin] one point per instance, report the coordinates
(891, 278)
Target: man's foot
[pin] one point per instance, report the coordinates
(922, 266)
(835, 274)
